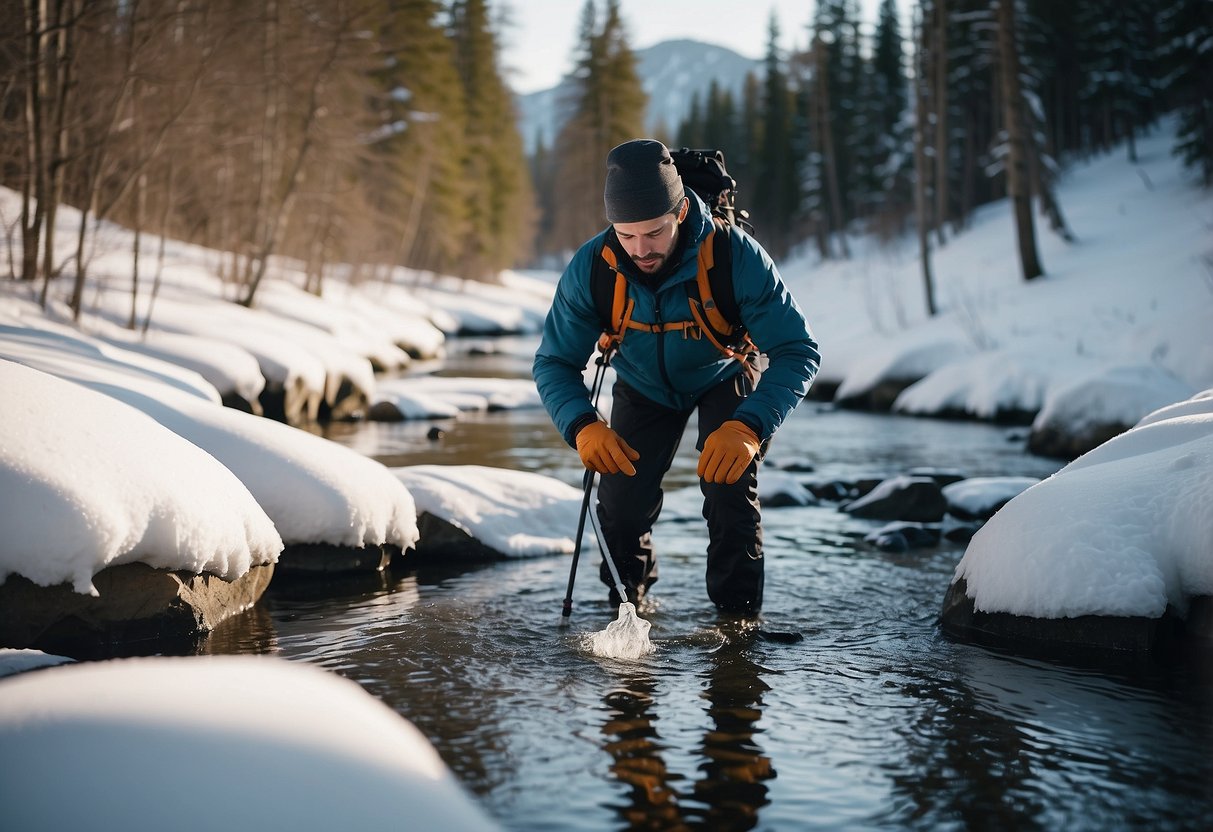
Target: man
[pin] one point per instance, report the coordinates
(666, 371)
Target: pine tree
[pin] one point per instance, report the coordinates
(776, 182)
(891, 155)
(608, 109)
(416, 173)
(835, 27)
(1187, 58)
(498, 192)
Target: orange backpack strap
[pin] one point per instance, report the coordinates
(707, 260)
(615, 316)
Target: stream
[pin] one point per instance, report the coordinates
(871, 719)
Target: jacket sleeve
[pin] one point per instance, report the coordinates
(777, 325)
(570, 333)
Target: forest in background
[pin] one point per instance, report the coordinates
(358, 135)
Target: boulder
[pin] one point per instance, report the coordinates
(914, 499)
(135, 602)
(901, 537)
(980, 498)
(384, 412)
(1087, 413)
(313, 559)
(1076, 636)
(943, 476)
(445, 542)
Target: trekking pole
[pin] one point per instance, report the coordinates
(603, 360)
(606, 556)
(588, 485)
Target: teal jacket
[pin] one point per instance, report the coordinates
(665, 367)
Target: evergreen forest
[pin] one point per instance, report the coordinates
(358, 135)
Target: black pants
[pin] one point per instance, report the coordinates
(628, 506)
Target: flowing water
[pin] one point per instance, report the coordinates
(843, 709)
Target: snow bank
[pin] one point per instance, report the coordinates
(314, 490)
(14, 661)
(897, 363)
(1124, 530)
(90, 482)
(517, 513)
(984, 386)
(1120, 395)
(68, 347)
(208, 743)
(441, 397)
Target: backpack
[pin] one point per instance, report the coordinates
(713, 307)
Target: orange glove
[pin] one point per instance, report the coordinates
(604, 451)
(727, 452)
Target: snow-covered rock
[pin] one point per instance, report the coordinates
(1114, 542)
(13, 661)
(916, 499)
(443, 397)
(779, 489)
(314, 490)
(978, 498)
(89, 481)
(1001, 385)
(875, 381)
(477, 512)
(1091, 410)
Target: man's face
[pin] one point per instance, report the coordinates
(650, 242)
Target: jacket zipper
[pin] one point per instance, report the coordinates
(661, 343)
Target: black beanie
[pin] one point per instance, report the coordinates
(642, 182)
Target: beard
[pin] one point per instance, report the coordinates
(649, 263)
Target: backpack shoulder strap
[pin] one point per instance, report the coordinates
(715, 279)
(605, 286)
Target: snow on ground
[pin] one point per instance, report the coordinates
(1135, 288)
(89, 482)
(439, 397)
(517, 513)
(206, 743)
(63, 345)
(1124, 530)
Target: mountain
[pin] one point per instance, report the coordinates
(671, 71)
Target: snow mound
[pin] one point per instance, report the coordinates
(203, 743)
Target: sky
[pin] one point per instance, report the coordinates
(538, 47)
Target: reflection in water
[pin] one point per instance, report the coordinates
(636, 748)
(735, 770)
(730, 789)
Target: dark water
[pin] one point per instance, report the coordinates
(870, 720)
